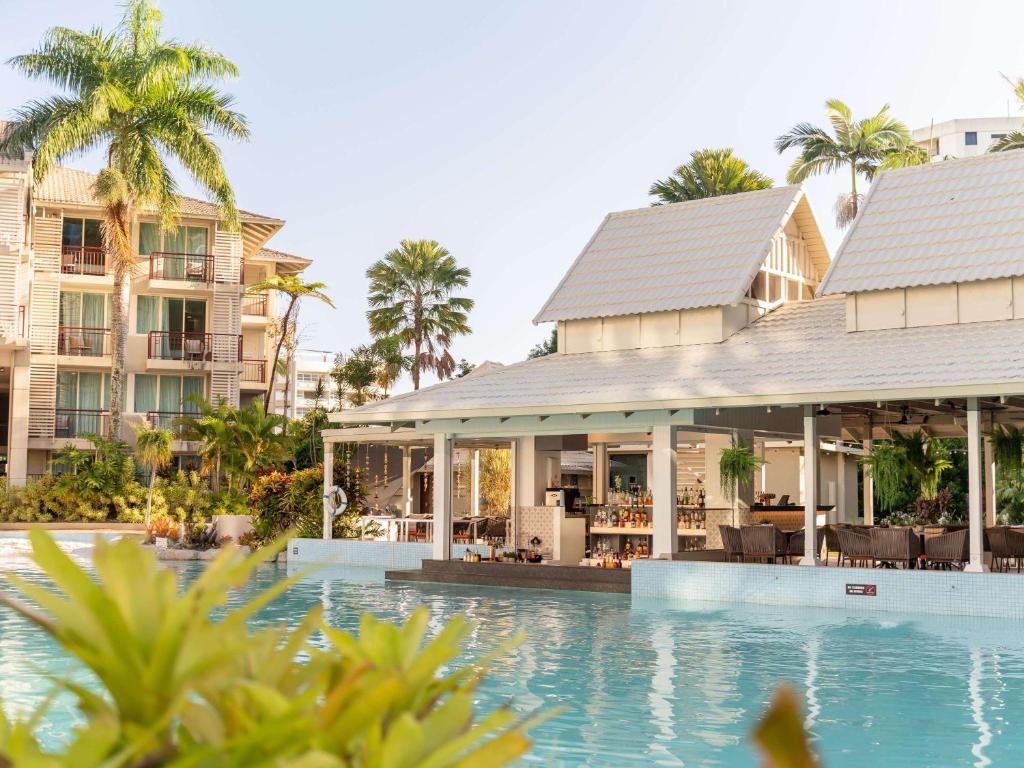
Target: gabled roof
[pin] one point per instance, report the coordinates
(699, 253)
(287, 263)
(799, 353)
(949, 222)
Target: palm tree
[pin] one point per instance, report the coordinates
(296, 290)
(391, 362)
(1013, 139)
(356, 375)
(411, 299)
(145, 101)
(260, 439)
(863, 146)
(153, 450)
(211, 427)
(708, 173)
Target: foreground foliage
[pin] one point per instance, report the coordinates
(184, 685)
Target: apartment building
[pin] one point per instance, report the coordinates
(964, 137)
(309, 369)
(193, 329)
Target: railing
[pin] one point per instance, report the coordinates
(21, 319)
(254, 304)
(254, 370)
(169, 420)
(81, 341)
(76, 422)
(190, 346)
(83, 260)
(190, 267)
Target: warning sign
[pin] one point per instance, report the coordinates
(863, 590)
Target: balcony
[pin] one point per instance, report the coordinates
(186, 267)
(80, 341)
(83, 260)
(254, 371)
(168, 420)
(79, 422)
(190, 346)
(254, 304)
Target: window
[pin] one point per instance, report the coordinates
(85, 310)
(184, 240)
(147, 314)
(997, 136)
(82, 402)
(167, 394)
(81, 232)
(971, 138)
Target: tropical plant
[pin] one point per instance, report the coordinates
(146, 102)
(356, 376)
(211, 426)
(307, 444)
(1013, 139)
(887, 464)
(547, 347)
(98, 484)
(1008, 452)
(295, 289)
(153, 450)
(736, 467)
(496, 480)
(463, 368)
(184, 680)
(259, 441)
(863, 146)
(391, 362)
(187, 496)
(926, 460)
(708, 173)
(412, 299)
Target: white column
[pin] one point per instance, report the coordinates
(839, 513)
(328, 484)
(474, 502)
(442, 496)
(975, 488)
(650, 472)
(665, 542)
(601, 473)
(869, 487)
(513, 512)
(812, 459)
(990, 483)
(406, 480)
(18, 405)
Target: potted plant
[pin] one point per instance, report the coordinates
(162, 529)
(736, 467)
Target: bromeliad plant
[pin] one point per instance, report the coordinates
(736, 467)
(182, 681)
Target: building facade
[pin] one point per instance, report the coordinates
(192, 327)
(309, 384)
(964, 137)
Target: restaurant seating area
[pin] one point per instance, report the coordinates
(861, 546)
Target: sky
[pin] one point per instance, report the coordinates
(506, 131)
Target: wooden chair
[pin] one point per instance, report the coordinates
(763, 542)
(948, 549)
(732, 543)
(832, 542)
(892, 547)
(854, 547)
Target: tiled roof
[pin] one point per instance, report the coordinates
(70, 186)
(280, 256)
(801, 352)
(680, 256)
(949, 222)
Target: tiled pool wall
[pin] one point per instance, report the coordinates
(392, 555)
(953, 593)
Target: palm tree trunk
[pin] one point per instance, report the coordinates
(277, 356)
(415, 369)
(149, 499)
(117, 233)
(853, 188)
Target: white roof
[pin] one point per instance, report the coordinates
(699, 253)
(949, 222)
(799, 353)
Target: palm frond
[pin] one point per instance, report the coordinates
(1012, 140)
(708, 173)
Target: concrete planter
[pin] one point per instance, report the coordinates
(234, 526)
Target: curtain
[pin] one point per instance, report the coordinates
(147, 314)
(94, 308)
(172, 318)
(70, 309)
(170, 394)
(149, 238)
(106, 393)
(90, 397)
(175, 242)
(67, 397)
(197, 240)
(191, 385)
(145, 393)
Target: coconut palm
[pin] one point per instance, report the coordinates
(296, 290)
(153, 451)
(146, 102)
(708, 173)
(863, 146)
(1013, 139)
(411, 298)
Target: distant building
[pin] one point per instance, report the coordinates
(964, 137)
(309, 368)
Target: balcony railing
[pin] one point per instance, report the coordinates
(83, 260)
(80, 341)
(190, 267)
(169, 420)
(254, 371)
(190, 346)
(77, 422)
(254, 304)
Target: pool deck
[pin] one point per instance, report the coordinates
(521, 575)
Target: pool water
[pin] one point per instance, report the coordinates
(661, 684)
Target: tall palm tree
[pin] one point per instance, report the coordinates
(411, 298)
(863, 146)
(296, 290)
(708, 173)
(153, 450)
(1013, 139)
(145, 101)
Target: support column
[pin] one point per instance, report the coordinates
(442, 496)
(474, 502)
(990, 483)
(601, 473)
(513, 502)
(18, 404)
(869, 487)
(812, 459)
(665, 542)
(406, 481)
(975, 489)
(650, 472)
(328, 531)
(839, 513)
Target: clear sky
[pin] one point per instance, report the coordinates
(507, 131)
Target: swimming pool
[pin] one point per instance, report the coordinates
(666, 684)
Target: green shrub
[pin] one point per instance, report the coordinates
(186, 496)
(185, 682)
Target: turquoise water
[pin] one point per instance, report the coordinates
(667, 685)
